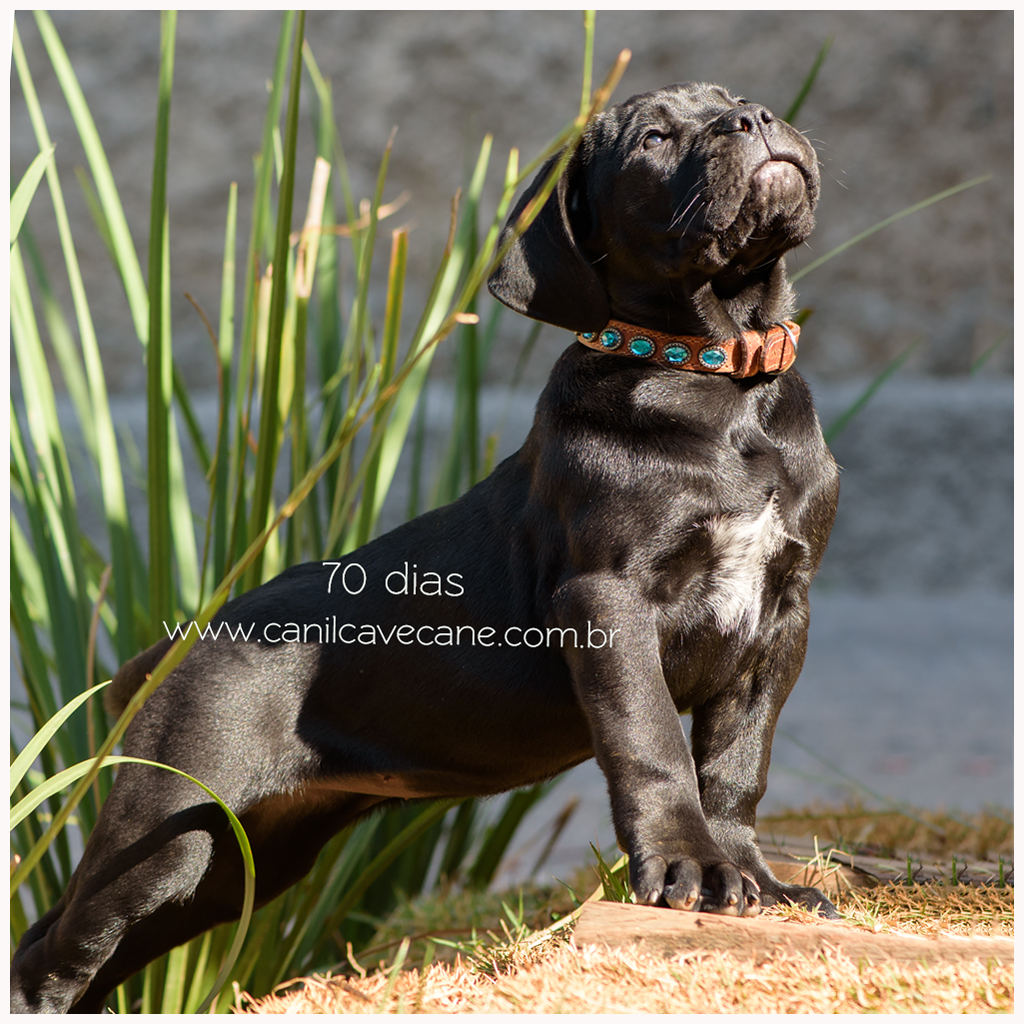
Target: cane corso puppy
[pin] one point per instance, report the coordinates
(647, 552)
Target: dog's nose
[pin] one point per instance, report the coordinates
(745, 118)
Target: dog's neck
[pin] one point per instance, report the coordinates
(745, 355)
(715, 307)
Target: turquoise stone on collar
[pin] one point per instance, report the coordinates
(712, 357)
(676, 354)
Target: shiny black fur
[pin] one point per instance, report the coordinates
(688, 512)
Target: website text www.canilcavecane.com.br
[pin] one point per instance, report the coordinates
(352, 579)
(330, 631)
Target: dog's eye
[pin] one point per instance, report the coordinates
(652, 139)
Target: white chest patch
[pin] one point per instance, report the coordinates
(741, 547)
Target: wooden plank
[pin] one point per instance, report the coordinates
(668, 932)
(836, 877)
(901, 867)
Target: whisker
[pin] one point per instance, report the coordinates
(676, 219)
(705, 206)
(677, 215)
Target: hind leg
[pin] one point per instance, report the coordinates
(136, 893)
(152, 844)
(286, 836)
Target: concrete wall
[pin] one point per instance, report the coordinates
(907, 103)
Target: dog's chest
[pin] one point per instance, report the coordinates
(740, 547)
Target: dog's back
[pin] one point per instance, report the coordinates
(130, 676)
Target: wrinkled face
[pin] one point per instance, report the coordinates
(690, 180)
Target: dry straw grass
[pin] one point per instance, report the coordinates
(932, 910)
(985, 835)
(627, 981)
(559, 978)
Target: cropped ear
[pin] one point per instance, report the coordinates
(544, 275)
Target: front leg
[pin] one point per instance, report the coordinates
(732, 740)
(639, 744)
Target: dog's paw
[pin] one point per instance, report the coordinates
(804, 896)
(683, 883)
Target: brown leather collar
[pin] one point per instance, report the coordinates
(745, 356)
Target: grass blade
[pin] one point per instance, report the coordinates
(43, 736)
(33, 662)
(374, 490)
(945, 194)
(26, 189)
(808, 82)
(383, 860)
(305, 269)
(840, 423)
(269, 440)
(101, 424)
(992, 349)
(183, 531)
(174, 980)
(52, 508)
(499, 835)
(158, 354)
(589, 19)
(127, 259)
(194, 998)
(357, 338)
(192, 427)
(460, 836)
(225, 346)
(884, 800)
(260, 208)
(439, 303)
(62, 342)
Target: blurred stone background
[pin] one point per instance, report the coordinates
(908, 683)
(907, 104)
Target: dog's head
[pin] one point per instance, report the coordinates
(673, 214)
